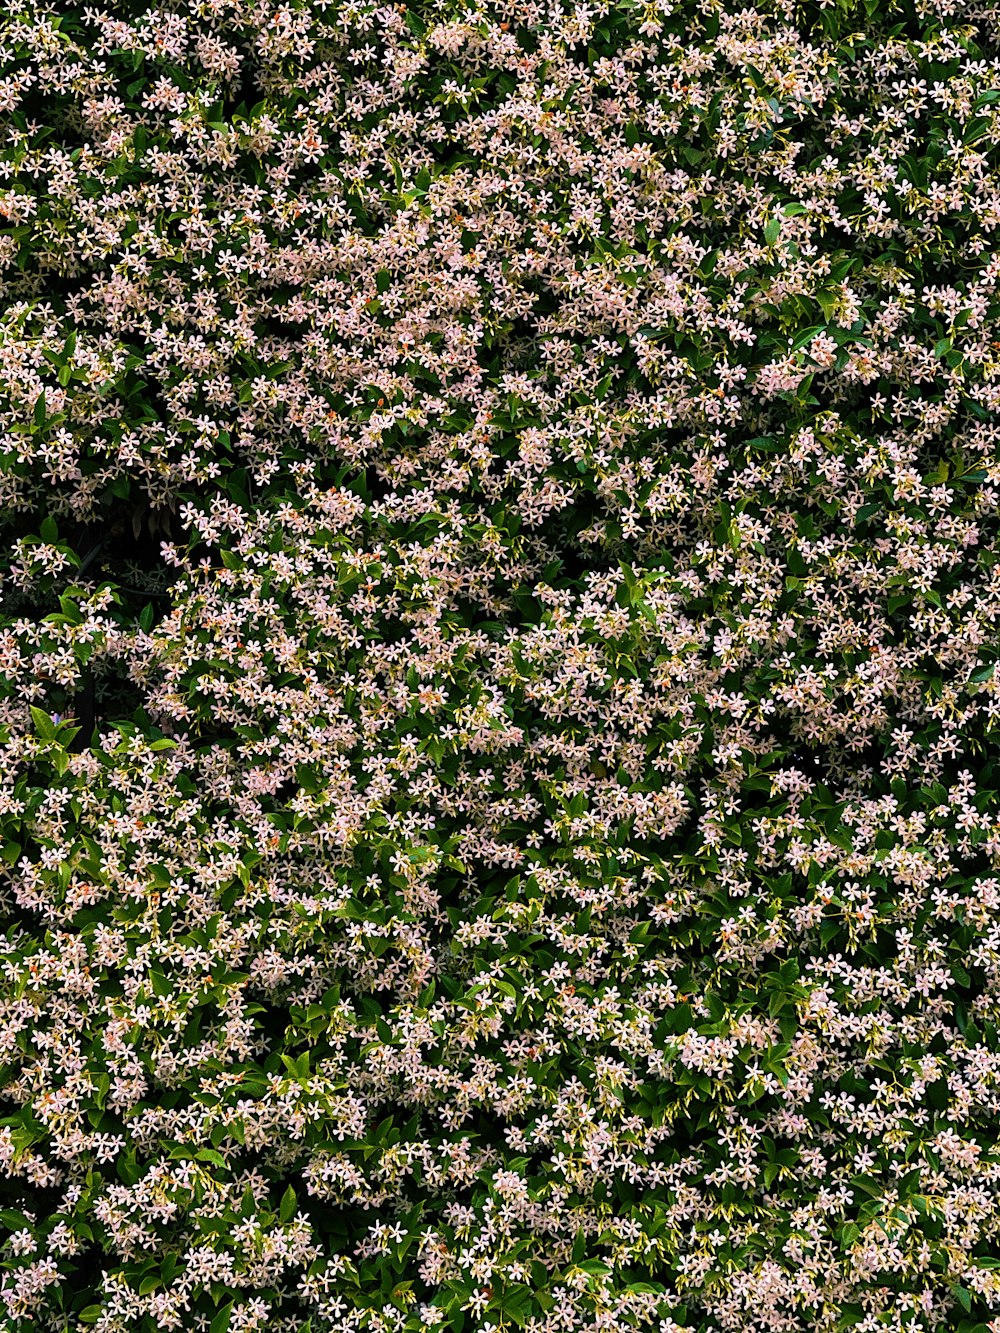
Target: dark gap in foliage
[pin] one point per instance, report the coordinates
(575, 563)
(283, 794)
(271, 1026)
(19, 1194)
(85, 709)
(213, 733)
(125, 551)
(274, 326)
(376, 486)
(244, 92)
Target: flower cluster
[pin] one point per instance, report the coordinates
(499, 624)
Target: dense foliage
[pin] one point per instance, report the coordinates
(500, 602)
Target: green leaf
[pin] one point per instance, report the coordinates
(210, 1155)
(963, 1296)
(220, 1323)
(161, 986)
(806, 336)
(44, 725)
(976, 128)
(595, 1266)
(772, 231)
(828, 302)
(289, 1203)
